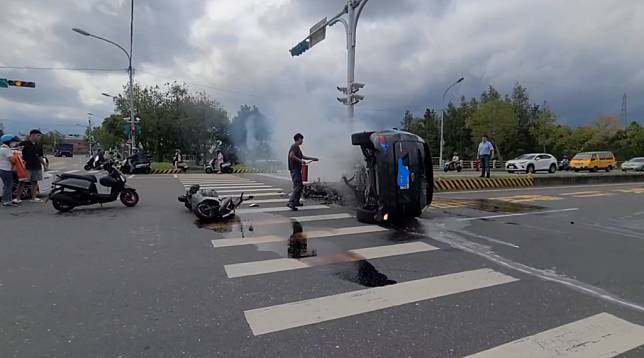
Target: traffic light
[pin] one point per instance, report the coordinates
(20, 83)
(300, 48)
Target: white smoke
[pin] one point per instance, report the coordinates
(325, 137)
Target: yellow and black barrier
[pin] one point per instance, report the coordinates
(166, 171)
(252, 170)
(453, 184)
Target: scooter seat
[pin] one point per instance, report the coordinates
(87, 177)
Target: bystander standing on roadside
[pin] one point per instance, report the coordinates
(295, 161)
(485, 154)
(32, 155)
(7, 162)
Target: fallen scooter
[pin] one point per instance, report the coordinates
(95, 162)
(72, 190)
(208, 206)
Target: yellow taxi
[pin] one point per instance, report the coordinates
(593, 161)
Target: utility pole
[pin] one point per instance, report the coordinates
(352, 9)
(440, 161)
(624, 111)
(89, 132)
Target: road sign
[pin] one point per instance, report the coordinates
(4, 83)
(317, 32)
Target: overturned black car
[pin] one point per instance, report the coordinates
(397, 182)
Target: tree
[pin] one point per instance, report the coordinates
(496, 119)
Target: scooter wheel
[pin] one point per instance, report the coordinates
(208, 170)
(61, 206)
(459, 169)
(129, 197)
(87, 167)
(446, 169)
(148, 170)
(205, 211)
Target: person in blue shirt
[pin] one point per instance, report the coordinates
(485, 154)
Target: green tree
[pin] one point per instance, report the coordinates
(496, 119)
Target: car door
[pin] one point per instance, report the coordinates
(541, 162)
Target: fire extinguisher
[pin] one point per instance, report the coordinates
(305, 171)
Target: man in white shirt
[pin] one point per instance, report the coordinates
(485, 154)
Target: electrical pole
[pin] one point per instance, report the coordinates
(89, 132)
(440, 160)
(624, 111)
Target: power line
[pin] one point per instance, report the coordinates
(62, 68)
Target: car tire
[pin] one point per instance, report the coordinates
(595, 169)
(361, 138)
(610, 167)
(552, 169)
(511, 171)
(366, 216)
(530, 169)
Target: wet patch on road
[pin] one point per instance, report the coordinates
(488, 205)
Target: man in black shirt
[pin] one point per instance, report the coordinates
(295, 161)
(32, 155)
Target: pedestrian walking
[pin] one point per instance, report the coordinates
(7, 162)
(485, 154)
(295, 161)
(178, 158)
(33, 157)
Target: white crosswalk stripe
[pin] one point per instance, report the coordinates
(297, 314)
(285, 264)
(602, 335)
(353, 230)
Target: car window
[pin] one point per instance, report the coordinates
(637, 159)
(525, 157)
(581, 156)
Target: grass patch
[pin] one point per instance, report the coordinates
(161, 166)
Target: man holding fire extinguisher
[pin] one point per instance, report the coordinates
(296, 160)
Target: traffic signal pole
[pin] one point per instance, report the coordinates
(353, 9)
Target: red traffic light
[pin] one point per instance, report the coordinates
(20, 83)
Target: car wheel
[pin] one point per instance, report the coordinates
(511, 171)
(595, 169)
(552, 169)
(530, 169)
(361, 138)
(366, 216)
(610, 167)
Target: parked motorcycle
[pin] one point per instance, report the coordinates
(136, 165)
(225, 168)
(451, 166)
(564, 165)
(207, 205)
(95, 162)
(72, 190)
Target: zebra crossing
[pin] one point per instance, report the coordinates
(600, 335)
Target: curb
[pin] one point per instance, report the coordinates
(444, 184)
(590, 179)
(252, 171)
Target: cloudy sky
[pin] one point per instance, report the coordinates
(580, 56)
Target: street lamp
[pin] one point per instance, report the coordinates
(440, 162)
(129, 68)
(109, 95)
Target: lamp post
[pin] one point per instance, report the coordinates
(129, 68)
(440, 162)
(89, 132)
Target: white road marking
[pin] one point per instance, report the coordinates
(284, 264)
(317, 234)
(602, 335)
(518, 214)
(579, 193)
(264, 194)
(277, 209)
(535, 188)
(304, 219)
(592, 195)
(246, 190)
(197, 181)
(211, 186)
(287, 178)
(266, 201)
(297, 314)
(72, 171)
(175, 176)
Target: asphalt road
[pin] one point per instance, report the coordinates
(560, 267)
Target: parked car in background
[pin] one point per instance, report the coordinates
(64, 150)
(634, 164)
(532, 163)
(593, 161)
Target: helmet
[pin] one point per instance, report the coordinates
(6, 138)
